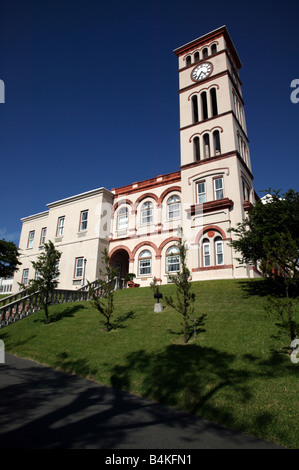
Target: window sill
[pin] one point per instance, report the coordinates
(247, 206)
(82, 234)
(211, 206)
(147, 224)
(122, 233)
(210, 268)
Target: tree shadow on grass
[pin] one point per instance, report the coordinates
(79, 367)
(58, 315)
(119, 322)
(261, 287)
(42, 408)
(121, 319)
(194, 328)
(186, 376)
(274, 287)
(203, 381)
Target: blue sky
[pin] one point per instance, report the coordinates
(91, 93)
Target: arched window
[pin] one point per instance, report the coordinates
(194, 109)
(212, 250)
(205, 53)
(216, 137)
(174, 207)
(219, 250)
(147, 213)
(213, 49)
(196, 57)
(173, 259)
(206, 252)
(204, 105)
(188, 60)
(145, 263)
(196, 149)
(214, 101)
(206, 141)
(122, 218)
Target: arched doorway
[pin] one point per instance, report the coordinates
(120, 260)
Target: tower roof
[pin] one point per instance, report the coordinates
(222, 31)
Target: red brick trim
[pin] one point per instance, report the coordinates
(247, 206)
(211, 206)
(145, 243)
(209, 228)
(168, 240)
(122, 201)
(209, 160)
(160, 180)
(167, 191)
(121, 247)
(145, 195)
(210, 37)
(211, 268)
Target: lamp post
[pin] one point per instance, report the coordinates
(158, 306)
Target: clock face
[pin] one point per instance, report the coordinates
(202, 71)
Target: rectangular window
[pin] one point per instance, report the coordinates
(174, 211)
(43, 236)
(147, 213)
(219, 252)
(25, 276)
(218, 185)
(173, 264)
(56, 271)
(83, 220)
(30, 239)
(145, 266)
(206, 254)
(122, 219)
(201, 192)
(60, 226)
(174, 207)
(79, 268)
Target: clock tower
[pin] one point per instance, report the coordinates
(216, 178)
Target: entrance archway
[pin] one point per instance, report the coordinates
(120, 259)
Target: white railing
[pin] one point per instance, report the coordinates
(18, 306)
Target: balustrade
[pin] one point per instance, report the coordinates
(20, 305)
(17, 306)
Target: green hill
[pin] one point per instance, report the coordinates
(236, 371)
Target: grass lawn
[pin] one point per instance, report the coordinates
(237, 371)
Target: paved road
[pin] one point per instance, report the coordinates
(42, 408)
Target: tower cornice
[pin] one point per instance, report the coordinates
(213, 35)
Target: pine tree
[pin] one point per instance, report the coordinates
(185, 298)
(104, 302)
(47, 272)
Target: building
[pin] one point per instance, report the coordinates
(139, 223)
(6, 285)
